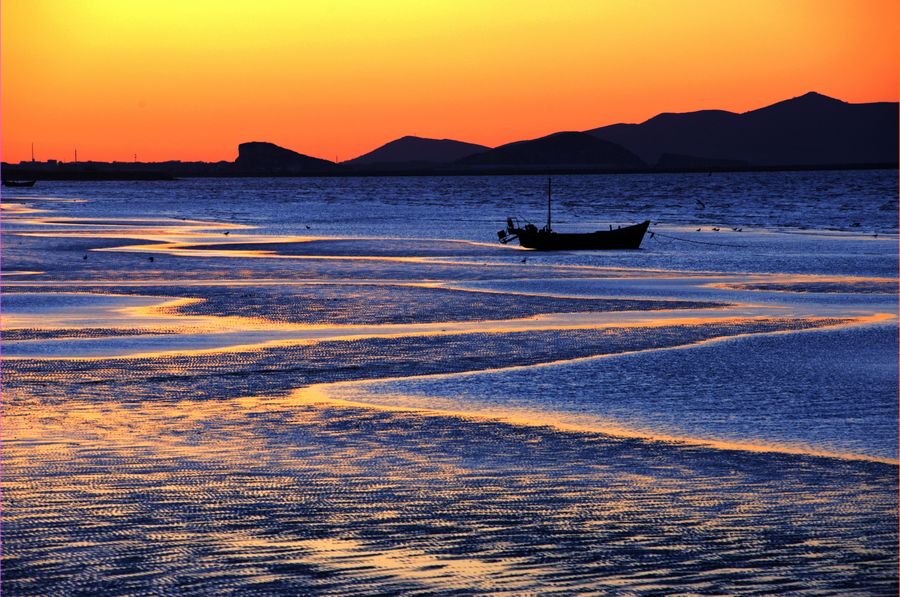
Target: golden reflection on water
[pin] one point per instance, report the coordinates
(263, 489)
(437, 572)
(354, 394)
(154, 315)
(232, 333)
(99, 226)
(17, 209)
(329, 491)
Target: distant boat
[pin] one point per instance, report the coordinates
(545, 239)
(19, 183)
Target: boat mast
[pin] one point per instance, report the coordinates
(549, 188)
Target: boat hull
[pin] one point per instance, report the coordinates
(629, 237)
(19, 183)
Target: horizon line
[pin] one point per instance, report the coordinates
(444, 138)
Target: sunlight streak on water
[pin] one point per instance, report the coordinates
(235, 493)
(230, 386)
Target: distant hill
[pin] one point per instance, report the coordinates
(566, 149)
(413, 151)
(262, 158)
(810, 130)
(807, 132)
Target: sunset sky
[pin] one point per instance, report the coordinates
(183, 79)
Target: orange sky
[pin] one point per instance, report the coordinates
(190, 79)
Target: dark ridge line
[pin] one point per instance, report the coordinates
(14, 171)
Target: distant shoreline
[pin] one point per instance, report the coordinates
(804, 133)
(148, 173)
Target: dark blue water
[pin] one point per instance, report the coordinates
(197, 447)
(787, 204)
(806, 389)
(831, 391)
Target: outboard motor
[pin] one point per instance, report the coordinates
(509, 234)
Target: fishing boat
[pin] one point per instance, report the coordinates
(545, 239)
(19, 183)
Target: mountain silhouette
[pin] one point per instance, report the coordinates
(410, 150)
(812, 129)
(566, 149)
(807, 132)
(261, 158)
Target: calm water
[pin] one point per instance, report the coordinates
(348, 386)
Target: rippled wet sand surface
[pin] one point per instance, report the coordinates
(201, 399)
(291, 495)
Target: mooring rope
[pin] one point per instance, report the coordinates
(696, 242)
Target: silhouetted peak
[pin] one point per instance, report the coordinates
(250, 144)
(414, 138)
(810, 129)
(262, 156)
(697, 115)
(816, 96)
(562, 135)
(257, 144)
(565, 148)
(260, 147)
(811, 100)
(412, 149)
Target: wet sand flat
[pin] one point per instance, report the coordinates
(282, 495)
(211, 397)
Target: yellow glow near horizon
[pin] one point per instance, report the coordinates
(192, 79)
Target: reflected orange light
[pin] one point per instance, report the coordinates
(190, 80)
(354, 395)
